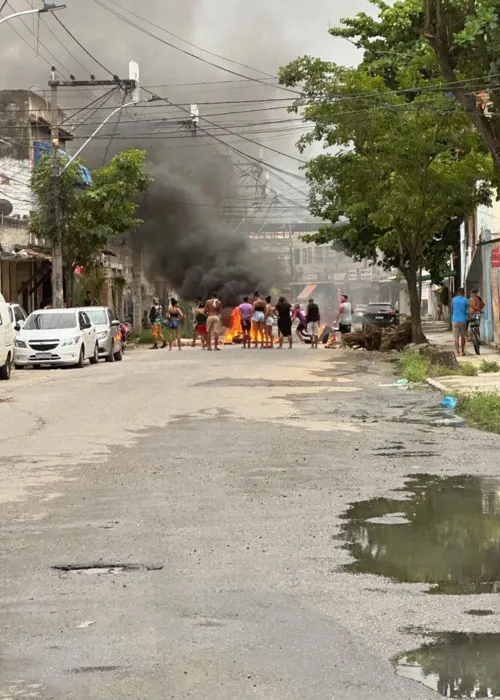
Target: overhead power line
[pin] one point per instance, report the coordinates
(190, 43)
(184, 51)
(83, 47)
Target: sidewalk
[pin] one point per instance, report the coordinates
(489, 382)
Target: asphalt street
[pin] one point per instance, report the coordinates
(196, 500)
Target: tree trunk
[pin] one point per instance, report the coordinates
(137, 289)
(70, 286)
(415, 311)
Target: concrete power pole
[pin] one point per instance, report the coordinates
(137, 289)
(130, 85)
(57, 266)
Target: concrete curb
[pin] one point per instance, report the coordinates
(437, 385)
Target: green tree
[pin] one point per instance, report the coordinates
(90, 216)
(455, 41)
(399, 168)
(465, 37)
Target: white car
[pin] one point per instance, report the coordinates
(17, 316)
(56, 337)
(6, 340)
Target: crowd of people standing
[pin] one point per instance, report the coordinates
(258, 318)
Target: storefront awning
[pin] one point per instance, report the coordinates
(307, 291)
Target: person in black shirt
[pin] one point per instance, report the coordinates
(283, 309)
(312, 321)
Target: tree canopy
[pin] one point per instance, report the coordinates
(400, 164)
(90, 216)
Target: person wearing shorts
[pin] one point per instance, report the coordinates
(301, 328)
(200, 325)
(213, 309)
(283, 310)
(259, 320)
(246, 321)
(459, 309)
(312, 322)
(344, 316)
(269, 323)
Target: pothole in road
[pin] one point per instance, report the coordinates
(445, 532)
(105, 567)
(480, 613)
(95, 669)
(456, 665)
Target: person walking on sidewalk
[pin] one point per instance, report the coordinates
(459, 309)
(155, 318)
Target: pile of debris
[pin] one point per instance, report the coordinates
(384, 339)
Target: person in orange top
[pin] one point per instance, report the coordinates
(476, 304)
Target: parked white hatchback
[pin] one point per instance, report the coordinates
(56, 337)
(6, 340)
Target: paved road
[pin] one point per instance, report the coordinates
(230, 471)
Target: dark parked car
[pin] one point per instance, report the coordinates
(381, 314)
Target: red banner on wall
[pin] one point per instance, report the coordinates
(495, 257)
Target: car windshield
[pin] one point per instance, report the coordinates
(379, 308)
(99, 317)
(45, 322)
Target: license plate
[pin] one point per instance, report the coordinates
(43, 356)
(379, 318)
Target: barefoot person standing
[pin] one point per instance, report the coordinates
(269, 314)
(246, 321)
(312, 321)
(258, 320)
(344, 317)
(213, 309)
(174, 318)
(200, 319)
(283, 309)
(301, 328)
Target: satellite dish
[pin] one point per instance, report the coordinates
(5, 207)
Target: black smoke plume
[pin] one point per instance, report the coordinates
(184, 240)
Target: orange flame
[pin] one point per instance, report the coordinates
(234, 332)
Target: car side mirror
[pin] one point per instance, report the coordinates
(17, 327)
(115, 323)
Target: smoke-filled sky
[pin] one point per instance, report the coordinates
(204, 172)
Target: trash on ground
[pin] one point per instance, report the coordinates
(401, 382)
(448, 402)
(87, 623)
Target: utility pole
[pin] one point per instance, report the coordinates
(57, 266)
(131, 86)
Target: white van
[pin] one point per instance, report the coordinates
(6, 340)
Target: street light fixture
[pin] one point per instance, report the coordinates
(134, 103)
(47, 7)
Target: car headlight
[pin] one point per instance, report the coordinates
(102, 335)
(70, 341)
(20, 343)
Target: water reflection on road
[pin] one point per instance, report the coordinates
(444, 531)
(457, 665)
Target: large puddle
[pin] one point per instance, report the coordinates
(456, 665)
(442, 531)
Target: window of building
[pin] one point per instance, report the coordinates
(296, 256)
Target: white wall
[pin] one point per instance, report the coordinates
(15, 185)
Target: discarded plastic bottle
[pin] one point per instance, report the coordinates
(450, 422)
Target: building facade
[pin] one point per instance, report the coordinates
(25, 262)
(480, 264)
